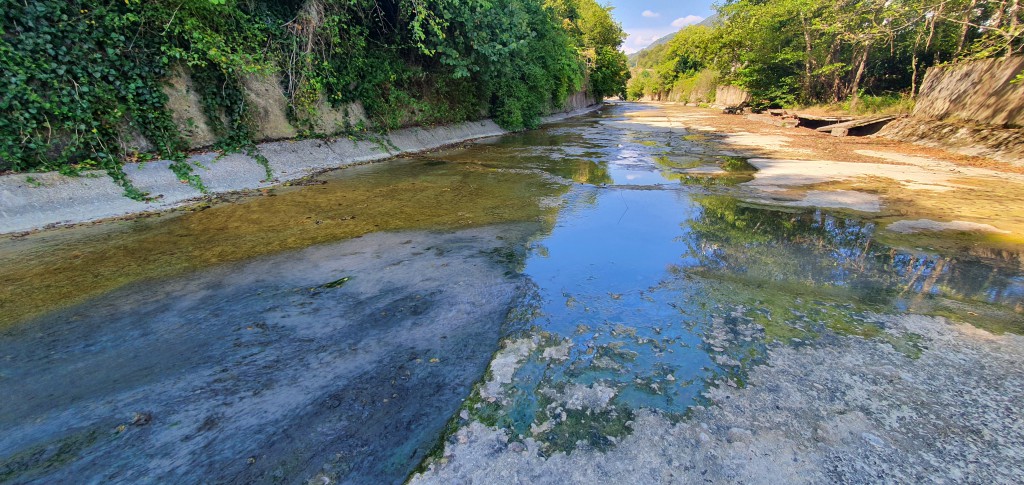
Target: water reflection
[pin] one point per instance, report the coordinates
(651, 279)
(661, 280)
(839, 257)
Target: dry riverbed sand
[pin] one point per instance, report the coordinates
(877, 177)
(839, 409)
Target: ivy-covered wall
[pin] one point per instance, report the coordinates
(95, 83)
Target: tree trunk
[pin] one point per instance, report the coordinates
(968, 14)
(808, 50)
(1014, 23)
(913, 65)
(855, 87)
(931, 26)
(931, 31)
(836, 77)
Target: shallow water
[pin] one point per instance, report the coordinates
(620, 252)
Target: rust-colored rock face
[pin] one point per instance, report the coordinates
(975, 92)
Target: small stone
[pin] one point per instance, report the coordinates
(516, 447)
(872, 439)
(141, 419)
(464, 414)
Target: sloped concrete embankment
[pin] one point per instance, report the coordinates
(33, 201)
(974, 108)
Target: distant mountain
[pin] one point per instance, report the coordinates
(708, 22)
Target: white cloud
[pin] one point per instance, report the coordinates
(649, 14)
(687, 20)
(640, 38)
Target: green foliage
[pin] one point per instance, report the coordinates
(610, 73)
(83, 76)
(788, 52)
(76, 84)
(884, 104)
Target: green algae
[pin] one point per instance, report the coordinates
(58, 268)
(598, 429)
(338, 283)
(737, 164)
(41, 458)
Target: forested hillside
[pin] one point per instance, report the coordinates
(814, 51)
(80, 74)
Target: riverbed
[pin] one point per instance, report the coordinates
(634, 292)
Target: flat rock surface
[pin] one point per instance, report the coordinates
(342, 360)
(848, 410)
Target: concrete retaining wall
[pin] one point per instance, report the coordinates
(1003, 144)
(974, 92)
(731, 96)
(38, 200)
(972, 108)
(270, 112)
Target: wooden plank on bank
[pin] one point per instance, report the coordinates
(834, 119)
(849, 125)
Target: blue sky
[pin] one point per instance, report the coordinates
(647, 20)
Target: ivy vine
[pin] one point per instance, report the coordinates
(84, 79)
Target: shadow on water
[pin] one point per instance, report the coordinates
(343, 360)
(331, 329)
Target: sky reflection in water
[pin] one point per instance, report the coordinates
(662, 284)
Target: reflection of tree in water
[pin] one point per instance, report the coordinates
(578, 170)
(823, 256)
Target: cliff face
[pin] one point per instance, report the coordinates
(974, 108)
(975, 92)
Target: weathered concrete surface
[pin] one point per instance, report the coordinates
(846, 410)
(32, 201)
(186, 108)
(973, 108)
(976, 92)
(258, 372)
(731, 96)
(1003, 144)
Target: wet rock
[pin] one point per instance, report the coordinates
(142, 419)
(504, 366)
(579, 397)
(539, 429)
(559, 352)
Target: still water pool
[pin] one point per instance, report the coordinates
(550, 282)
